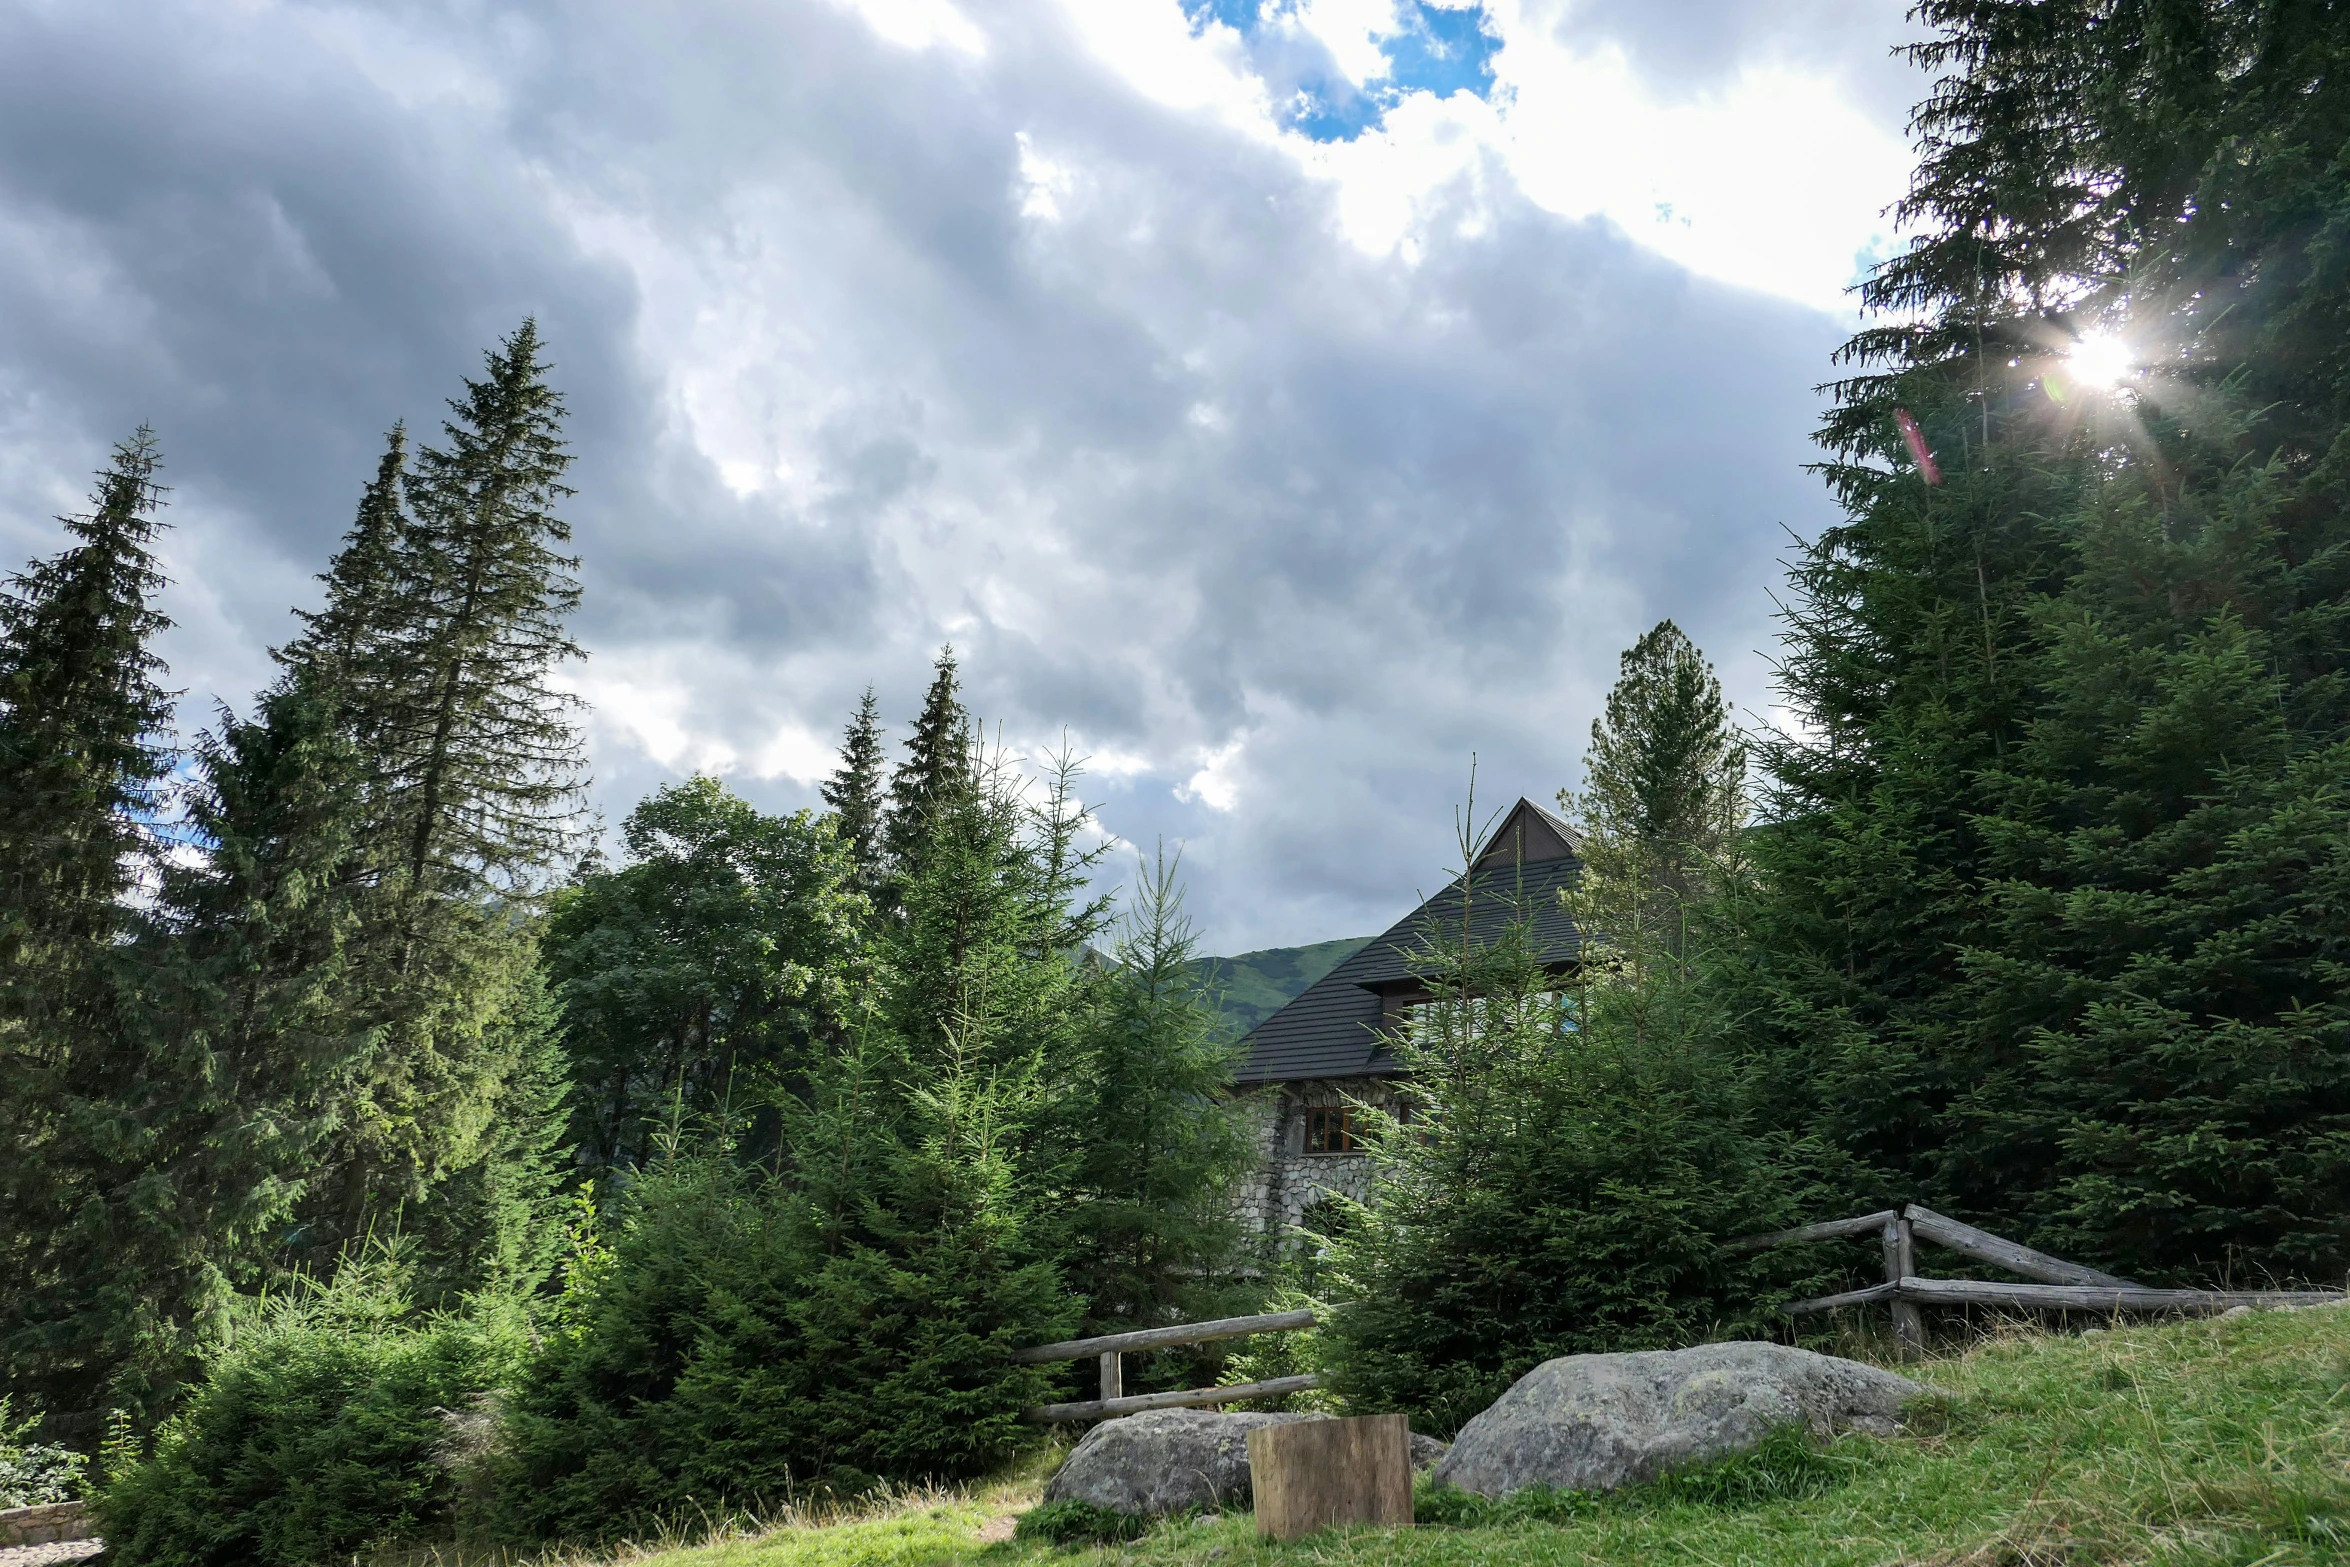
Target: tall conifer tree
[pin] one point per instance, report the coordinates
(1665, 776)
(81, 768)
(258, 997)
(81, 716)
(486, 752)
(442, 628)
(2052, 922)
(854, 791)
(936, 774)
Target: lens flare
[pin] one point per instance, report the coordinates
(2100, 360)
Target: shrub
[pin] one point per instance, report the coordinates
(730, 1353)
(324, 1427)
(1563, 1187)
(1082, 1523)
(34, 1473)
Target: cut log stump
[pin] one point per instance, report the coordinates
(1317, 1473)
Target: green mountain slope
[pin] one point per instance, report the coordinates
(1255, 985)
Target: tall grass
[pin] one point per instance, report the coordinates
(2180, 1444)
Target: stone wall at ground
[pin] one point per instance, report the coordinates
(45, 1524)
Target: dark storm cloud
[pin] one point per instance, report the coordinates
(870, 347)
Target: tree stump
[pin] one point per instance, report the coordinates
(1316, 1473)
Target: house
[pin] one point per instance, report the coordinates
(1327, 1051)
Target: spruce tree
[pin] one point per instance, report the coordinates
(344, 638)
(854, 792)
(936, 776)
(81, 714)
(442, 628)
(1662, 808)
(1661, 821)
(1156, 1145)
(81, 768)
(1574, 1151)
(486, 754)
(1665, 768)
(2050, 886)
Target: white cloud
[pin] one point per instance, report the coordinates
(1216, 783)
(920, 24)
(1282, 475)
(1153, 48)
(1352, 30)
(1043, 183)
(1774, 181)
(1776, 178)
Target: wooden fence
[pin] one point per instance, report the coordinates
(1114, 1347)
(2057, 1285)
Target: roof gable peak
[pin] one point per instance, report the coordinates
(1528, 835)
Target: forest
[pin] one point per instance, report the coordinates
(390, 1160)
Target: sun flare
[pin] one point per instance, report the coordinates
(2101, 360)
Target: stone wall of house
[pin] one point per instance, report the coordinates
(1288, 1180)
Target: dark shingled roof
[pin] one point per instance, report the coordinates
(1331, 1028)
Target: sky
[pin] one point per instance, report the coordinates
(1279, 403)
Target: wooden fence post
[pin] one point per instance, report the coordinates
(1310, 1474)
(1909, 1326)
(1113, 1375)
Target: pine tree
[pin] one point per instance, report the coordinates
(854, 792)
(1661, 821)
(81, 764)
(1155, 1146)
(1662, 808)
(2052, 874)
(1570, 1164)
(80, 713)
(443, 624)
(487, 757)
(936, 775)
(1665, 769)
(343, 636)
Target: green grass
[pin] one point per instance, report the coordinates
(2178, 1443)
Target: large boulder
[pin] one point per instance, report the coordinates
(1594, 1422)
(1163, 1461)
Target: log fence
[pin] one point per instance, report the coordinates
(1112, 1348)
(2057, 1285)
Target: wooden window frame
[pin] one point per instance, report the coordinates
(1328, 1124)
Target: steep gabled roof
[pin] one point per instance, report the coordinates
(1531, 834)
(1331, 1028)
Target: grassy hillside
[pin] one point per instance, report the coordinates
(1255, 985)
(2183, 1443)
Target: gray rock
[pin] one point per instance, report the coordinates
(1427, 1452)
(1163, 1461)
(2235, 1311)
(1594, 1422)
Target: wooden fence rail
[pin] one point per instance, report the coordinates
(1113, 1348)
(2058, 1285)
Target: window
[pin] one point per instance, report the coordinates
(1427, 1023)
(1332, 1129)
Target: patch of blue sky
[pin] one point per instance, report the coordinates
(1242, 16)
(1444, 50)
(1865, 261)
(1436, 48)
(1331, 108)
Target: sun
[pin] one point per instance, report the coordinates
(2100, 360)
